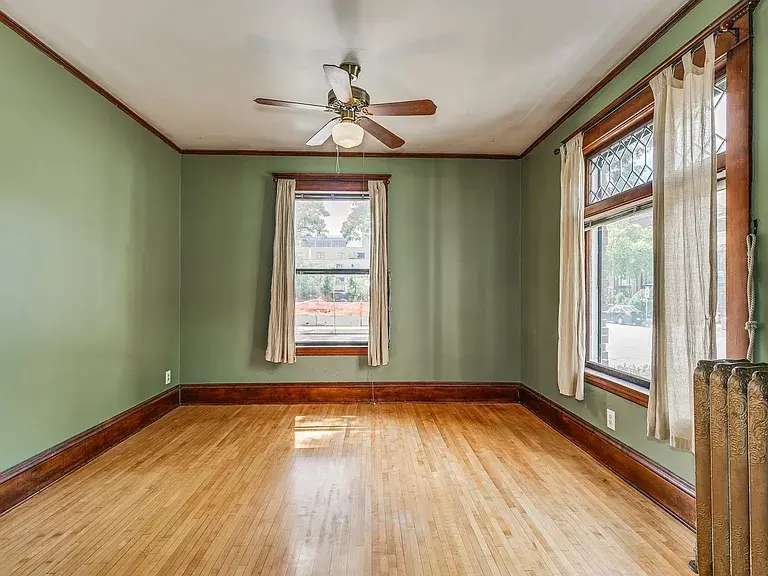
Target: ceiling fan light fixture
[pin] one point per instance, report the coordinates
(347, 134)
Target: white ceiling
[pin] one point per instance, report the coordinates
(500, 71)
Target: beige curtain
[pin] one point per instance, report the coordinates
(378, 315)
(684, 249)
(281, 345)
(570, 327)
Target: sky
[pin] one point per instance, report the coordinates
(339, 210)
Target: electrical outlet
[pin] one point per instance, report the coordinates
(167, 377)
(610, 419)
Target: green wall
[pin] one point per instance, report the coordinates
(540, 222)
(99, 295)
(454, 255)
(89, 256)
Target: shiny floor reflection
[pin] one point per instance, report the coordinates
(343, 489)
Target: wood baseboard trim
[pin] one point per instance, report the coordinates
(350, 392)
(674, 494)
(32, 475)
(659, 484)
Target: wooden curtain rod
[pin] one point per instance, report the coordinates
(329, 176)
(725, 24)
(331, 182)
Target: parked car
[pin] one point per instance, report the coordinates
(624, 314)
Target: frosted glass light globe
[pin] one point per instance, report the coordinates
(347, 134)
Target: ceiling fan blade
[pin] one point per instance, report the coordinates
(381, 134)
(323, 134)
(408, 108)
(287, 104)
(340, 82)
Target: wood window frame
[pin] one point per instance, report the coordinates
(330, 182)
(733, 54)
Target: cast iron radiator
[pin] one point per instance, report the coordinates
(731, 424)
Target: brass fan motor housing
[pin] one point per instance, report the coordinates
(361, 99)
(351, 68)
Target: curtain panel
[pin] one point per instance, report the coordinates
(378, 315)
(281, 344)
(571, 322)
(684, 243)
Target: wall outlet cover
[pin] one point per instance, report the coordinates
(167, 377)
(610, 419)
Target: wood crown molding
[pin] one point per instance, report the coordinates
(349, 392)
(736, 20)
(32, 475)
(92, 84)
(736, 11)
(98, 88)
(674, 494)
(315, 154)
(618, 69)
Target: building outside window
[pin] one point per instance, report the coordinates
(332, 294)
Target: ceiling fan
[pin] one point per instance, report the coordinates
(352, 106)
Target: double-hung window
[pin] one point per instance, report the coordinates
(618, 230)
(332, 258)
(332, 281)
(619, 256)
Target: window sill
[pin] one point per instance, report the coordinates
(622, 388)
(331, 350)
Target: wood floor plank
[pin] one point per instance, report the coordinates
(395, 489)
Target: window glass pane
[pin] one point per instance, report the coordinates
(721, 270)
(622, 166)
(720, 115)
(332, 233)
(629, 162)
(332, 309)
(621, 293)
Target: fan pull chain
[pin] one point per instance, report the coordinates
(338, 170)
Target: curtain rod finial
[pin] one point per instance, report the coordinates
(728, 27)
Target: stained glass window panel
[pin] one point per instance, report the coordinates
(622, 166)
(629, 162)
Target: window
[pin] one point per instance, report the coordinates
(621, 294)
(720, 115)
(722, 302)
(619, 243)
(622, 166)
(332, 296)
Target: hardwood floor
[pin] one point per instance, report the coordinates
(343, 489)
